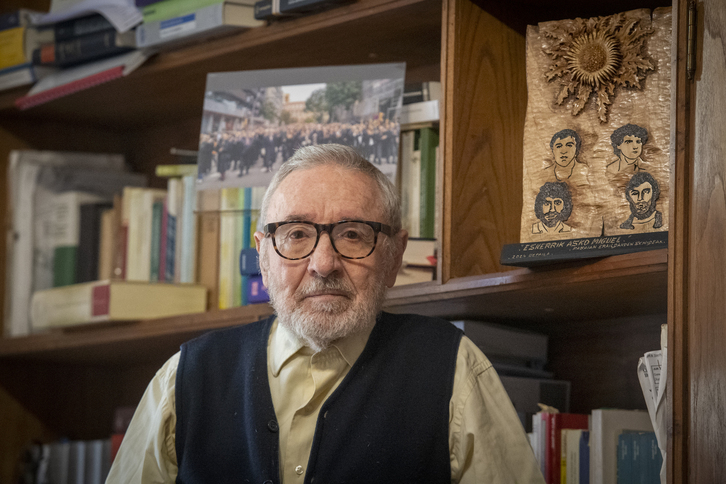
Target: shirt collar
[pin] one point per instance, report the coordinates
(283, 345)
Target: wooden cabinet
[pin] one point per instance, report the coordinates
(600, 314)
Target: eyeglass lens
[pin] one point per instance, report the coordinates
(350, 239)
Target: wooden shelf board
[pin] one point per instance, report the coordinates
(170, 86)
(610, 287)
(606, 288)
(136, 341)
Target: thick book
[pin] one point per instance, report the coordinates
(256, 290)
(188, 257)
(606, 426)
(101, 301)
(22, 75)
(166, 9)
(12, 47)
(89, 241)
(110, 221)
(209, 229)
(304, 6)
(212, 20)
(229, 240)
(21, 17)
(78, 50)
(140, 232)
(80, 26)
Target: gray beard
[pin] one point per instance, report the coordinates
(326, 322)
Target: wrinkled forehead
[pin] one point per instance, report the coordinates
(326, 194)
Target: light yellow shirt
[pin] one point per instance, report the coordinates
(486, 440)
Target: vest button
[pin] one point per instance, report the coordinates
(272, 425)
(267, 482)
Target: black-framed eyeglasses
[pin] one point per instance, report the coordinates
(352, 239)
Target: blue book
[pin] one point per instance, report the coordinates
(585, 457)
(170, 254)
(625, 458)
(256, 291)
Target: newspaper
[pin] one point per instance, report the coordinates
(653, 375)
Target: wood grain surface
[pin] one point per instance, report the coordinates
(597, 177)
(706, 277)
(485, 102)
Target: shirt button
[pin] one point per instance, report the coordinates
(272, 425)
(299, 470)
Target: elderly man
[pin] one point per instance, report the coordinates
(331, 389)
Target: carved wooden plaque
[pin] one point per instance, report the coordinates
(597, 130)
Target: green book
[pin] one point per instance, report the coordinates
(157, 212)
(428, 142)
(64, 265)
(167, 9)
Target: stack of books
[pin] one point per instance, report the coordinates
(17, 38)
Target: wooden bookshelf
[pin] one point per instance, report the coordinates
(564, 292)
(596, 312)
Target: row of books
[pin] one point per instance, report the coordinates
(69, 462)
(31, 52)
(608, 446)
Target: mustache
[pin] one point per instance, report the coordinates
(328, 284)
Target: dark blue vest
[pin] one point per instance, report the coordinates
(388, 421)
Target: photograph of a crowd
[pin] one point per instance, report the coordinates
(248, 131)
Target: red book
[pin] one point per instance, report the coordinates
(555, 424)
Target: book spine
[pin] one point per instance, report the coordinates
(209, 244)
(78, 27)
(12, 50)
(81, 49)
(189, 224)
(303, 6)
(10, 20)
(228, 203)
(585, 458)
(157, 211)
(171, 249)
(66, 306)
(263, 10)
(167, 9)
(246, 205)
(428, 142)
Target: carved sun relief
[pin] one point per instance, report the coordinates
(594, 56)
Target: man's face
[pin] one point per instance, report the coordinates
(631, 147)
(564, 150)
(552, 211)
(325, 297)
(640, 199)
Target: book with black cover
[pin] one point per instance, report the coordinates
(89, 240)
(77, 27)
(84, 49)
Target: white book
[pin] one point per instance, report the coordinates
(606, 426)
(189, 231)
(571, 452)
(213, 19)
